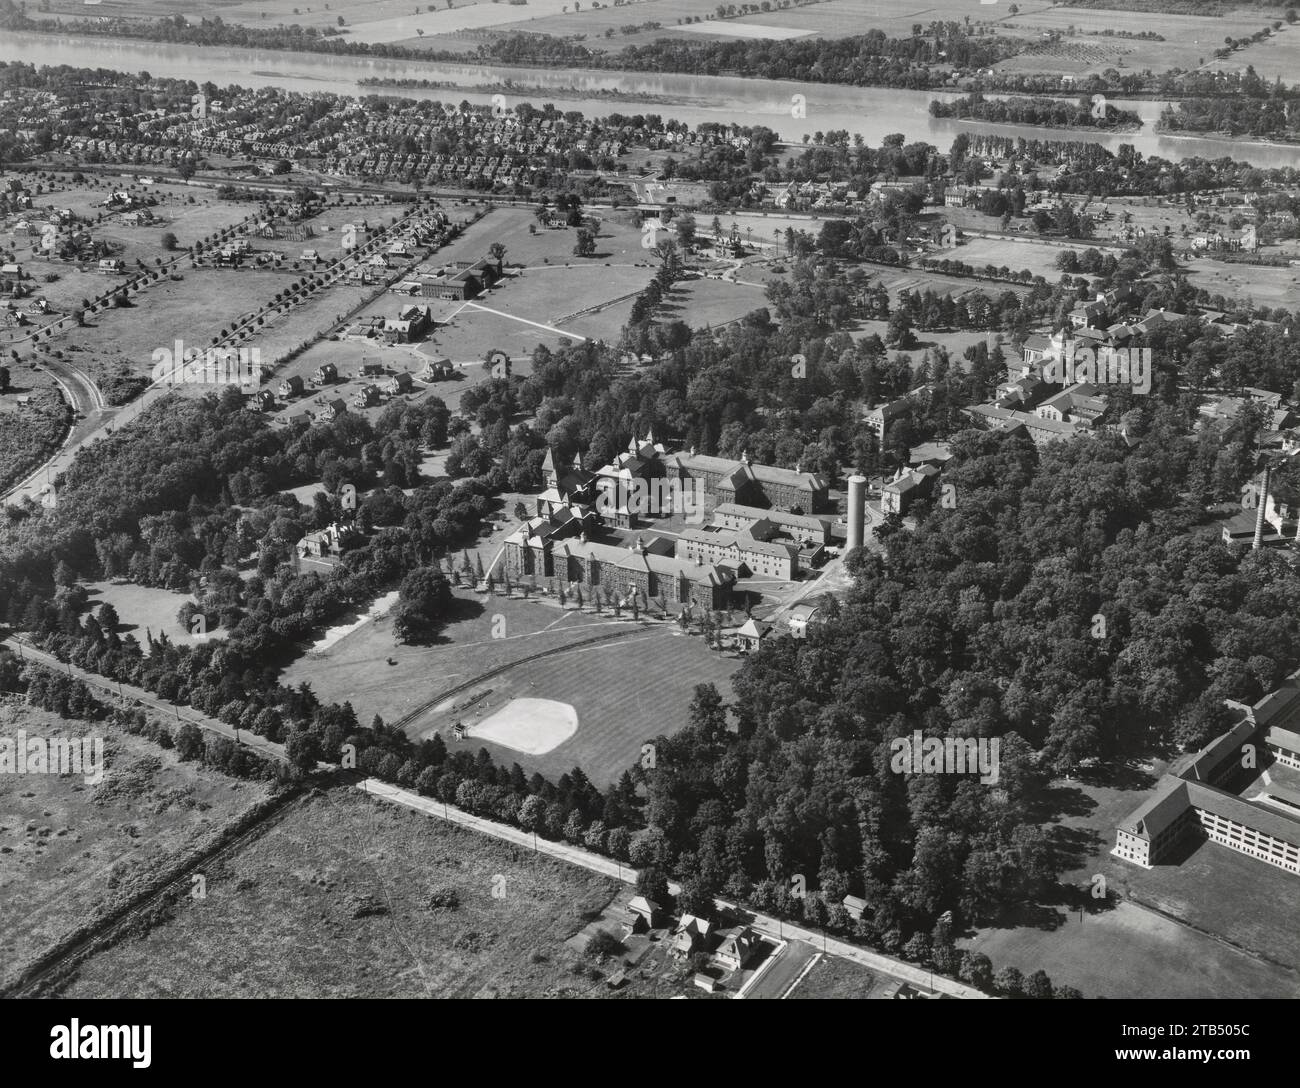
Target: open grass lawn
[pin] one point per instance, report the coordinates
(708, 302)
(1125, 950)
(838, 979)
(335, 901)
(1221, 891)
(1038, 257)
(538, 303)
(67, 847)
(1252, 285)
(625, 692)
(1132, 952)
(144, 609)
(543, 297)
(356, 668)
(910, 279)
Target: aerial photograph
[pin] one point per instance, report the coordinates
(651, 500)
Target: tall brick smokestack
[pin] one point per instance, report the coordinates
(1263, 504)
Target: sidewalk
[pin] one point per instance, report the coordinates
(769, 927)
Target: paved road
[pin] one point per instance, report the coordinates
(777, 980)
(769, 927)
(139, 695)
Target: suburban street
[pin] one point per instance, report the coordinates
(763, 924)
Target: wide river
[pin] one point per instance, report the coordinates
(872, 111)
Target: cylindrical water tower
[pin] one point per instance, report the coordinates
(857, 511)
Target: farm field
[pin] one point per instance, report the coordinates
(193, 309)
(1252, 284)
(29, 437)
(337, 900)
(1190, 40)
(67, 847)
(835, 19)
(1277, 57)
(439, 26)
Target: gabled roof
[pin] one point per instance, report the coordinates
(1159, 811)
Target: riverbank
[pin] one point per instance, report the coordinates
(509, 87)
(873, 113)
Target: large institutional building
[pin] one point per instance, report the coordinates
(1200, 798)
(762, 522)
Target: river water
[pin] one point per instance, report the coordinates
(872, 111)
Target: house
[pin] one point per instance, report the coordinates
(112, 265)
(1088, 315)
(882, 415)
(291, 387)
(437, 370)
(399, 383)
(736, 950)
(367, 397)
(642, 913)
(309, 255)
(901, 991)
(370, 370)
(334, 410)
(691, 936)
(406, 330)
(909, 485)
(328, 543)
(801, 617)
(262, 401)
(751, 634)
(326, 374)
(11, 275)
